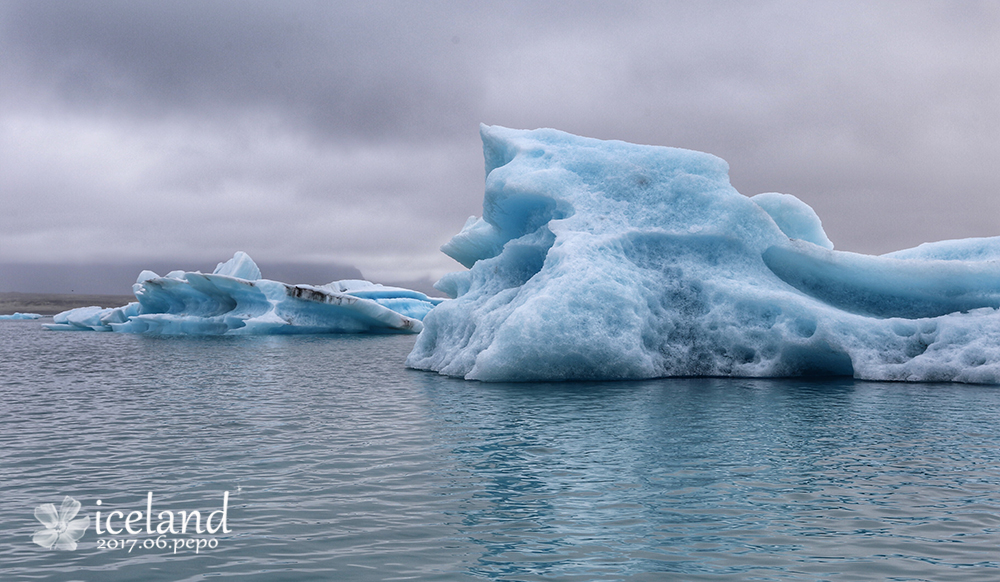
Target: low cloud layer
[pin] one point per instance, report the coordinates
(347, 133)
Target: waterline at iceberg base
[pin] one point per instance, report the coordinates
(234, 299)
(607, 260)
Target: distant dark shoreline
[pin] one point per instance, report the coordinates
(53, 303)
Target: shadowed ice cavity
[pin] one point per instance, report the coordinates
(607, 260)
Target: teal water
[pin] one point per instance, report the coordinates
(343, 465)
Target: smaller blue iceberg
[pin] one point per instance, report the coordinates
(234, 299)
(19, 315)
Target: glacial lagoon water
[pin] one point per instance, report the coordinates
(341, 464)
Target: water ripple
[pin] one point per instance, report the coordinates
(341, 464)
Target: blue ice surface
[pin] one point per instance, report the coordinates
(234, 299)
(19, 315)
(608, 260)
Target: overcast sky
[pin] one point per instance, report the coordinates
(336, 132)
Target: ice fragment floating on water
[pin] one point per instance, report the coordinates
(19, 315)
(607, 260)
(235, 300)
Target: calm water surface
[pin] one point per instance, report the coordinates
(343, 465)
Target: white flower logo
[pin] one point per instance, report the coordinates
(61, 530)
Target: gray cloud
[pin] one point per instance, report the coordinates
(347, 132)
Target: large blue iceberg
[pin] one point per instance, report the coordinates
(608, 260)
(234, 299)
